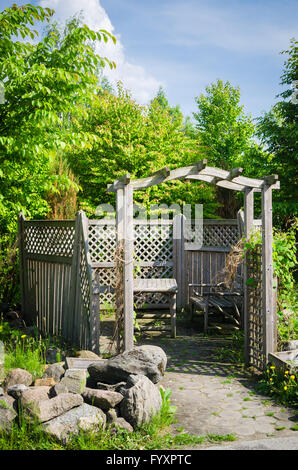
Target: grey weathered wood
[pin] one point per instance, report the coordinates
(233, 173)
(267, 271)
(177, 173)
(49, 258)
(172, 300)
(217, 181)
(178, 255)
(248, 227)
(22, 263)
(69, 323)
(271, 179)
(119, 183)
(196, 247)
(93, 297)
(128, 268)
(155, 285)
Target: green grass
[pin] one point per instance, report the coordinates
(152, 436)
(30, 358)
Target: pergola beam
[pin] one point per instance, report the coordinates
(217, 181)
(119, 183)
(162, 172)
(177, 173)
(229, 179)
(234, 173)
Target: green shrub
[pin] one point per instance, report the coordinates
(283, 386)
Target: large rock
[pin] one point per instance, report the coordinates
(120, 425)
(32, 395)
(84, 417)
(45, 410)
(85, 354)
(7, 401)
(54, 371)
(17, 390)
(145, 360)
(103, 399)
(7, 413)
(57, 390)
(47, 382)
(17, 376)
(141, 401)
(75, 380)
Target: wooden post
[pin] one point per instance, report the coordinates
(69, 316)
(275, 291)
(22, 264)
(172, 302)
(94, 295)
(248, 226)
(179, 257)
(119, 243)
(267, 272)
(128, 268)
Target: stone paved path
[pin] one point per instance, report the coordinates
(216, 397)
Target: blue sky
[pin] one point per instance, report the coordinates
(185, 45)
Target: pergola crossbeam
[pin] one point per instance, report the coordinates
(119, 183)
(217, 181)
(229, 179)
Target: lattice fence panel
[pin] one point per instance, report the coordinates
(102, 242)
(49, 238)
(255, 311)
(212, 234)
(83, 310)
(153, 254)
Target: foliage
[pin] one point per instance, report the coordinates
(138, 140)
(278, 130)
(27, 354)
(283, 386)
(9, 269)
(23, 351)
(48, 84)
(225, 131)
(284, 264)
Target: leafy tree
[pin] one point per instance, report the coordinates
(174, 111)
(48, 87)
(225, 133)
(278, 131)
(138, 140)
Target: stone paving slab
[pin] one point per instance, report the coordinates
(276, 443)
(214, 397)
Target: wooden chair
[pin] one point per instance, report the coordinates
(211, 298)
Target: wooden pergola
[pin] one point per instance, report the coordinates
(200, 171)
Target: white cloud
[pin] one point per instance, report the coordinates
(134, 77)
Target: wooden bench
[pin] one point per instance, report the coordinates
(162, 286)
(216, 297)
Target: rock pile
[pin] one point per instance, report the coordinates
(120, 392)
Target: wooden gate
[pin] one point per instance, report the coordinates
(56, 280)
